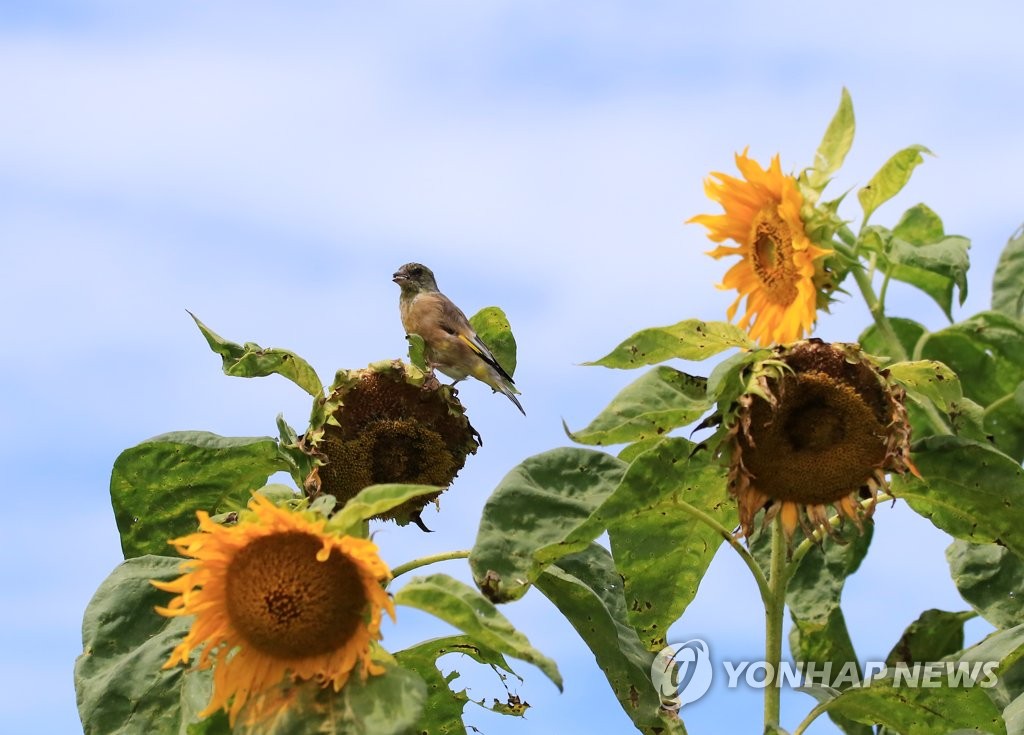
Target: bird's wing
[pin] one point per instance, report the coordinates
(454, 321)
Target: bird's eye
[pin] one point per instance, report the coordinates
(417, 271)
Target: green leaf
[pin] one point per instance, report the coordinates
(442, 714)
(934, 635)
(121, 687)
(834, 145)
(374, 500)
(828, 646)
(252, 361)
(816, 586)
(1004, 422)
(661, 550)
(890, 179)
(929, 380)
(689, 340)
(986, 351)
(586, 589)
(908, 332)
(157, 487)
(919, 225)
(1005, 648)
(727, 380)
(300, 463)
(491, 325)
(991, 578)
(386, 704)
(634, 450)
(922, 710)
(972, 491)
(535, 506)
(937, 266)
(1008, 282)
(463, 607)
(660, 400)
(417, 351)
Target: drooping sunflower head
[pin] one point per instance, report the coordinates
(276, 599)
(776, 273)
(821, 427)
(393, 424)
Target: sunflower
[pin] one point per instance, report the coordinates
(821, 427)
(276, 599)
(392, 423)
(777, 266)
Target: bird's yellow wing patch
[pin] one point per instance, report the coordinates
(471, 344)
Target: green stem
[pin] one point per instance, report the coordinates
(847, 248)
(775, 607)
(811, 717)
(725, 533)
(426, 560)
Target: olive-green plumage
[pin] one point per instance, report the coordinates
(451, 344)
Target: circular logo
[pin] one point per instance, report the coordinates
(681, 672)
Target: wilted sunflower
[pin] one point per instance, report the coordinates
(776, 271)
(393, 424)
(276, 598)
(821, 428)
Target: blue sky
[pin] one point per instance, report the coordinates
(268, 167)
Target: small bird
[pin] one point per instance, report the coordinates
(451, 344)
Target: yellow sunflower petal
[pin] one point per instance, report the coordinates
(276, 599)
(776, 266)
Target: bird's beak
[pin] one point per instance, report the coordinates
(399, 277)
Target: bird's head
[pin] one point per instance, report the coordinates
(415, 277)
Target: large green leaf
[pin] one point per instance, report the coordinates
(121, 687)
(834, 145)
(986, 351)
(536, 506)
(1000, 654)
(587, 590)
(157, 487)
(465, 608)
(1004, 422)
(991, 578)
(1008, 282)
(970, 490)
(1005, 648)
(661, 549)
(442, 714)
(921, 710)
(689, 340)
(252, 361)
(933, 636)
(491, 325)
(819, 634)
(391, 703)
(826, 645)
(890, 179)
(658, 401)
